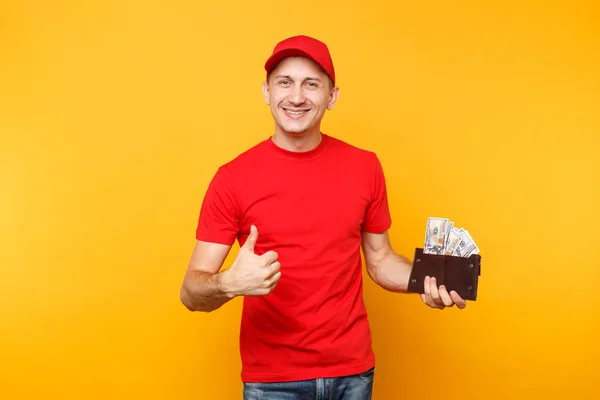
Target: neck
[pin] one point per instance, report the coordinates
(298, 142)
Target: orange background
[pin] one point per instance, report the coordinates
(114, 115)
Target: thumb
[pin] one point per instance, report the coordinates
(251, 241)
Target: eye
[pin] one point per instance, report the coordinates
(312, 84)
(284, 82)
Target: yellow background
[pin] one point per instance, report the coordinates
(114, 115)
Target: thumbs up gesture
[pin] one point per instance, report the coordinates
(251, 274)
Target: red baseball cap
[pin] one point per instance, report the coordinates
(302, 46)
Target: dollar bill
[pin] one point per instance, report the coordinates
(450, 227)
(443, 238)
(435, 235)
(465, 245)
(474, 249)
(454, 240)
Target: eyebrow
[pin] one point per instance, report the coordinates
(310, 78)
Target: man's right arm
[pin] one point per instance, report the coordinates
(206, 289)
(201, 289)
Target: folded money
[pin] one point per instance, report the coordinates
(443, 238)
(436, 235)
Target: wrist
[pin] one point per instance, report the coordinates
(223, 285)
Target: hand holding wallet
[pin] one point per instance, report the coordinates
(456, 273)
(451, 256)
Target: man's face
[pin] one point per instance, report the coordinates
(298, 92)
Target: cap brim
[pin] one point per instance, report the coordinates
(285, 53)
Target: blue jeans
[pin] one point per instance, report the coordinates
(353, 387)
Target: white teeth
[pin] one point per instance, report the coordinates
(295, 112)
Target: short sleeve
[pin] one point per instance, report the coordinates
(219, 214)
(377, 216)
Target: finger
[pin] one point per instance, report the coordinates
(459, 301)
(426, 288)
(272, 282)
(273, 269)
(427, 300)
(270, 257)
(251, 240)
(426, 297)
(446, 299)
(435, 296)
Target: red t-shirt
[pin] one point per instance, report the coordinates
(309, 207)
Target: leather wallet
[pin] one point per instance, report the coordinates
(456, 273)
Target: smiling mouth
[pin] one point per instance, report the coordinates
(295, 113)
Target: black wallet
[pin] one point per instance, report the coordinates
(456, 273)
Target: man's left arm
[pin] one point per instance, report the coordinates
(391, 271)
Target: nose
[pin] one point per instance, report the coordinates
(296, 96)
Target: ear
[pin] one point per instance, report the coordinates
(265, 89)
(333, 96)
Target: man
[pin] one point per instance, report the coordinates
(302, 204)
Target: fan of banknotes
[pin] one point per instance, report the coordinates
(443, 238)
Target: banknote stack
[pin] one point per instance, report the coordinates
(443, 238)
